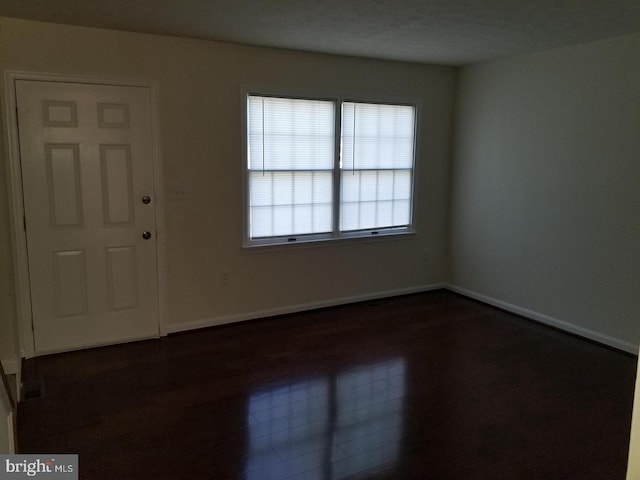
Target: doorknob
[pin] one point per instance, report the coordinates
(146, 199)
(146, 235)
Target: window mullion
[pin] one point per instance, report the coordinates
(337, 135)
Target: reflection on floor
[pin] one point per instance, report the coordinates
(426, 386)
(354, 418)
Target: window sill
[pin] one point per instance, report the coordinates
(283, 244)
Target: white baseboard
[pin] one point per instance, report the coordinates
(546, 319)
(210, 322)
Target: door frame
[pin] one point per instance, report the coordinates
(16, 199)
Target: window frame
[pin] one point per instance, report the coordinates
(335, 235)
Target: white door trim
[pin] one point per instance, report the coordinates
(16, 202)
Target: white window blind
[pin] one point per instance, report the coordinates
(290, 162)
(377, 149)
(311, 176)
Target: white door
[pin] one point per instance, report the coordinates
(88, 182)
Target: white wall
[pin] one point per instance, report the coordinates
(6, 422)
(200, 97)
(6, 445)
(545, 189)
(8, 331)
(544, 185)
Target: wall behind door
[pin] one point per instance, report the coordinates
(200, 99)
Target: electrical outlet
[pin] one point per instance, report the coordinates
(225, 278)
(425, 255)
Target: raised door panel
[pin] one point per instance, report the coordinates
(122, 274)
(117, 184)
(64, 186)
(70, 283)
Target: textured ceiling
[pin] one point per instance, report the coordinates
(452, 32)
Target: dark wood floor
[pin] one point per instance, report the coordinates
(427, 386)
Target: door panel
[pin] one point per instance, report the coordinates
(70, 283)
(86, 157)
(63, 184)
(117, 185)
(122, 278)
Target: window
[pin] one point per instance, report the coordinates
(376, 166)
(322, 169)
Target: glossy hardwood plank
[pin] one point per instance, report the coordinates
(430, 385)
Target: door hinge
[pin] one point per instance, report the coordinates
(24, 222)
